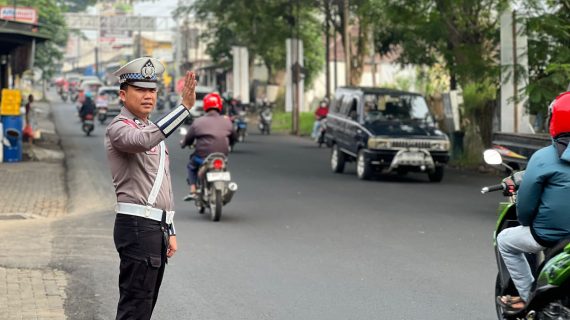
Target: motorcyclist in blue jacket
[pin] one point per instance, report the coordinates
(542, 206)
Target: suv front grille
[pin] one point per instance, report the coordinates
(404, 143)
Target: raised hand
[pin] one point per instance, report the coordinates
(189, 90)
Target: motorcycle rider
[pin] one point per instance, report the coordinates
(213, 133)
(265, 111)
(320, 114)
(88, 106)
(542, 207)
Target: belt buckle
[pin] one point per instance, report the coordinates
(169, 217)
(147, 211)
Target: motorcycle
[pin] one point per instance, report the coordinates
(214, 186)
(240, 125)
(88, 124)
(102, 115)
(264, 123)
(322, 131)
(63, 95)
(73, 94)
(550, 297)
(101, 104)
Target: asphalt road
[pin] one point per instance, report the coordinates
(297, 241)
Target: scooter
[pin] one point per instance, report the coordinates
(550, 297)
(88, 124)
(240, 125)
(264, 123)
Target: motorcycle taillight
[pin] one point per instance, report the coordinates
(218, 164)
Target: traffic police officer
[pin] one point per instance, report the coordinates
(144, 232)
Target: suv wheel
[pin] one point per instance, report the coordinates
(337, 159)
(363, 168)
(436, 175)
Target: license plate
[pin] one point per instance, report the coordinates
(412, 158)
(88, 122)
(218, 176)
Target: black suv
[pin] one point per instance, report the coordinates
(384, 129)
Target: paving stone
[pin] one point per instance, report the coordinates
(32, 294)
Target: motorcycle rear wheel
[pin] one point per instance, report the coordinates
(216, 209)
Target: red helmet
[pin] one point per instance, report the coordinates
(212, 101)
(560, 115)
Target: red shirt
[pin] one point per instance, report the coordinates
(321, 112)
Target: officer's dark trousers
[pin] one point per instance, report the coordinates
(141, 244)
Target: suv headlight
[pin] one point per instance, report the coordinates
(440, 146)
(379, 144)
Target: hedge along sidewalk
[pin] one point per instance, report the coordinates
(282, 122)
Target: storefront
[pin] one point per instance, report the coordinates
(17, 47)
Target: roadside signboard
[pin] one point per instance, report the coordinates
(23, 14)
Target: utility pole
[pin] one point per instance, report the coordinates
(335, 60)
(97, 61)
(139, 43)
(515, 73)
(296, 76)
(347, 58)
(372, 56)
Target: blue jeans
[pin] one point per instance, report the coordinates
(316, 127)
(513, 243)
(193, 166)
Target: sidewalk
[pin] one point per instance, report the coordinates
(32, 194)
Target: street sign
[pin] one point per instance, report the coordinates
(112, 23)
(23, 14)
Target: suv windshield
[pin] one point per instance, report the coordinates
(403, 108)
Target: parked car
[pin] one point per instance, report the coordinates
(385, 130)
(108, 103)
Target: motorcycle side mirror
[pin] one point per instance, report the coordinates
(492, 157)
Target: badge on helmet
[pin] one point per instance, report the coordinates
(142, 72)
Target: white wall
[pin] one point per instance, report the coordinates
(386, 74)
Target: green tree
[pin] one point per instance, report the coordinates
(548, 51)
(362, 16)
(262, 26)
(465, 33)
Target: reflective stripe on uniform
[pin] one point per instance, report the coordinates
(172, 120)
(159, 176)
